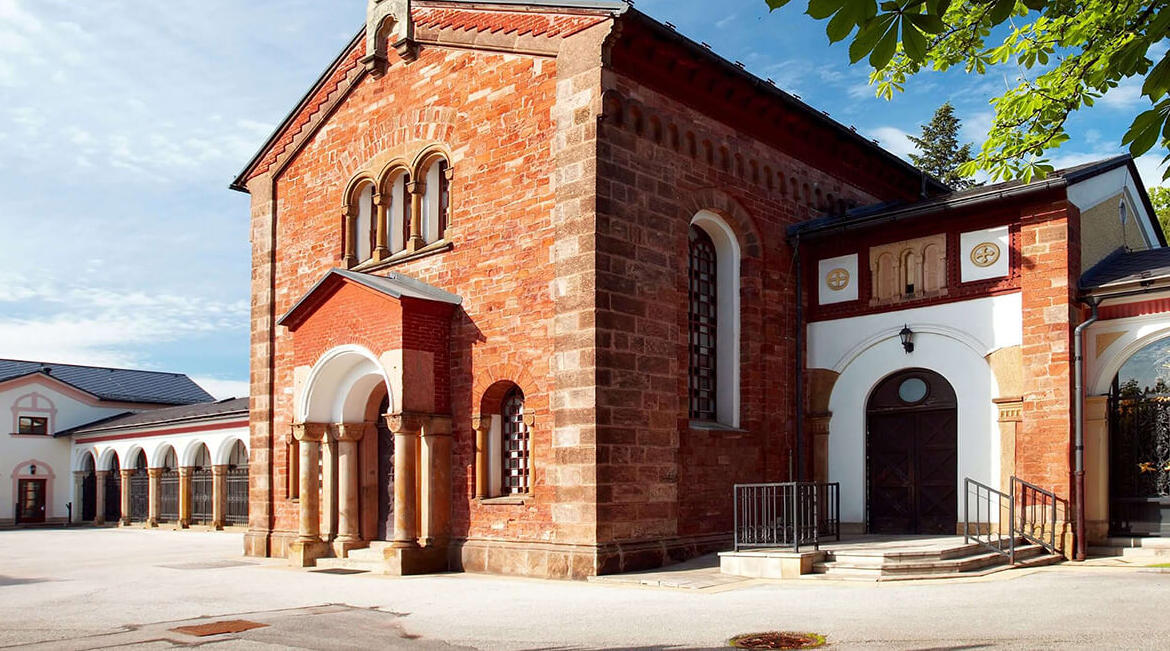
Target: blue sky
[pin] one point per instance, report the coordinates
(123, 121)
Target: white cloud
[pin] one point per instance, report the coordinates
(1150, 168)
(1126, 97)
(223, 389)
(894, 140)
(976, 127)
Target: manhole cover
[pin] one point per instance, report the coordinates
(219, 628)
(338, 570)
(778, 640)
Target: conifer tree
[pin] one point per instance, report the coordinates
(939, 153)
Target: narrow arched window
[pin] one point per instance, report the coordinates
(704, 310)
(514, 437)
(436, 202)
(397, 212)
(364, 232)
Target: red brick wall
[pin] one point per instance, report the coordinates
(1050, 256)
(493, 113)
(657, 476)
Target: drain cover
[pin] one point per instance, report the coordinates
(338, 570)
(778, 640)
(219, 628)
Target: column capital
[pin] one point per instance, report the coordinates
(310, 432)
(127, 473)
(379, 199)
(405, 422)
(154, 473)
(102, 474)
(219, 470)
(1010, 409)
(437, 426)
(352, 431)
(185, 471)
(481, 422)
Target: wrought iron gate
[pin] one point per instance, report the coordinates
(168, 508)
(88, 496)
(202, 490)
(237, 496)
(113, 489)
(139, 495)
(1139, 463)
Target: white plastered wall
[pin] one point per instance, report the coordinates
(952, 340)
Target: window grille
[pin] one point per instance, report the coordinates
(703, 325)
(516, 445)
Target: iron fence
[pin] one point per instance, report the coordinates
(113, 497)
(168, 510)
(786, 515)
(237, 496)
(139, 496)
(1000, 520)
(202, 489)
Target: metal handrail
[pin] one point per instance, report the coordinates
(786, 515)
(985, 494)
(1030, 497)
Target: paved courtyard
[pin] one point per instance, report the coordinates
(99, 588)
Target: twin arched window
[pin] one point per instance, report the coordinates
(393, 214)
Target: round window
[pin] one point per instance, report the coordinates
(912, 390)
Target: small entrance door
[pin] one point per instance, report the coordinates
(385, 475)
(912, 455)
(31, 500)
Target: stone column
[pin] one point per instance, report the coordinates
(483, 428)
(127, 473)
(436, 484)
(1010, 416)
(348, 477)
(328, 506)
(349, 258)
(406, 429)
(416, 189)
(99, 517)
(307, 548)
(1096, 468)
(381, 230)
(218, 497)
(185, 496)
(154, 496)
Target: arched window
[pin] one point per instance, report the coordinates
(704, 324)
(514, 437)
(397, 201)
(713, 321)
(364, 233)
(436, 204)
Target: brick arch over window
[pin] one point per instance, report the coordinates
(432, 174)
(732, 212)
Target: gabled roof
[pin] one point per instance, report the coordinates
(984, 194)
(1127, 268)
(114, 384)
(168, 416)
(393, 285)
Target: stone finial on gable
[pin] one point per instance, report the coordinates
(388, 21)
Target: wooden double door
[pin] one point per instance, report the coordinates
(912, 455)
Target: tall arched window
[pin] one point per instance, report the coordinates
(436, 203)
(364, 233)
(714, 321)
(397, 201)
(514, 436)
(704, 324)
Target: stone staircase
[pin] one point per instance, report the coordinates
(1147, 551)
(955, 560)
(371, 559)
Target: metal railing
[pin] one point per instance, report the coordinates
(786, 515)
(1001, 519)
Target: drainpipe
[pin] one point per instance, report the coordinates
(799, 361)
(1079, 425)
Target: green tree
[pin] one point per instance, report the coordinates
(1160, 197)
(939, 153)
(1065, 55)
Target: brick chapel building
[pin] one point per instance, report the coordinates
(528, 296)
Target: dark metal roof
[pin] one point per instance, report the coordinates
(114, 384)
(1126, 268)
(897, 211)
(168, 416)
(394, 285)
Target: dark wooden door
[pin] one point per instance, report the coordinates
(385, 476)
(31, 500)
(912, 456)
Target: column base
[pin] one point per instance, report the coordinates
(303, 553)
(416, 560)
(151, 524)
(341, 548)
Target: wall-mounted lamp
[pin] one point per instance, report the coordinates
(907, 336)
(32, 468)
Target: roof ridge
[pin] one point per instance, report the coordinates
(93, 367)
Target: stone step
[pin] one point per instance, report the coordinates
(1136, 542)
(940, 564)
(369, 555)
(351, 564)
(1130, 552)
